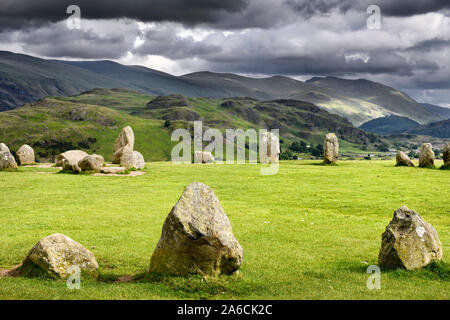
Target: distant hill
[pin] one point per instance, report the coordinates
(389, 125)
(25, 78)
(440, 129)
(92, 120)
(439, 111)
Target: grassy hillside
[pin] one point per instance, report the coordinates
(309, 232)
(389, 125)
(91, 121)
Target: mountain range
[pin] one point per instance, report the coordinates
(24, 79)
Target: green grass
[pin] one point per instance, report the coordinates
(309, 232)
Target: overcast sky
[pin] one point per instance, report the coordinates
(297, 38)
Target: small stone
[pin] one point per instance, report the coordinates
(93, 162)
(426, 155)
(25, 155)
(131, 160)
(409, 242)
(331, 149)
(403, 160)
(58, 256)
(203, 157)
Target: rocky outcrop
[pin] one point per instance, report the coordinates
(331, 149)
(25, 155)
(409, 242)
(403, 160)
(123, 144)
(203, 157)
(58, 256)
(164, 102)
(426, 155)
(197, 237)
(134, 159)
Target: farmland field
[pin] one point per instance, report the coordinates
(308, 232)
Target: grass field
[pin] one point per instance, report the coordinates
(309, 232)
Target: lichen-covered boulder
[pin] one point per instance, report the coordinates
(409, 242)
(93, 162)
(123, 144)
(446, 155)
(403, 160)
(331, 149)
(426, 155)
(25, 155)
(72, 156)
(7, 161)
(4, 147)
(57, 256)
(272, 144)
(197, 237)
(132, 159)
(203, 157)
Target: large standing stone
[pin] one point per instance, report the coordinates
(93, 162)
(7, 161)
(426, 155)
(446, 155)
(197, 237)
(203, 157)
(72, 156)
(272, 144)
(403, 160)
(409, 242)
(331, 149)
(4, 148)
(25, 155)
(124, 143)
(132, 159)
(58, 256)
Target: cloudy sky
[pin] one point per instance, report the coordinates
(297, 38)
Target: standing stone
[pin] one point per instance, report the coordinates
(197, 237)
(409, 242)
(25, 155)
(7, 161)
(124, 143)
(91, 163)
(203, 157)
(403, 160)
(426, 155)
(446, 155)
(72, 156)
(58, 256)
(272, 144)
(331, 149)
(132, 159)
(4, 148)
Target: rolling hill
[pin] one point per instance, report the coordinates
(92, 120)
(24, 79)
(389, 125)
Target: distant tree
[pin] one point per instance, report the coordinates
(317, 151)
(167, 123)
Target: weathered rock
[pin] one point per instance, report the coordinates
(446, 155)
(93, 162)
(203, 157)
(123, 144)
(58, 256)
(409, 242)
(272, 144)
(4, 148)
(68, 165)
(331, 149)
(403, 159)
(113, 170)
(72, 156)
(197, 237)
(133, 159)
(7, 161)
(25, 155)
(426, 155)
